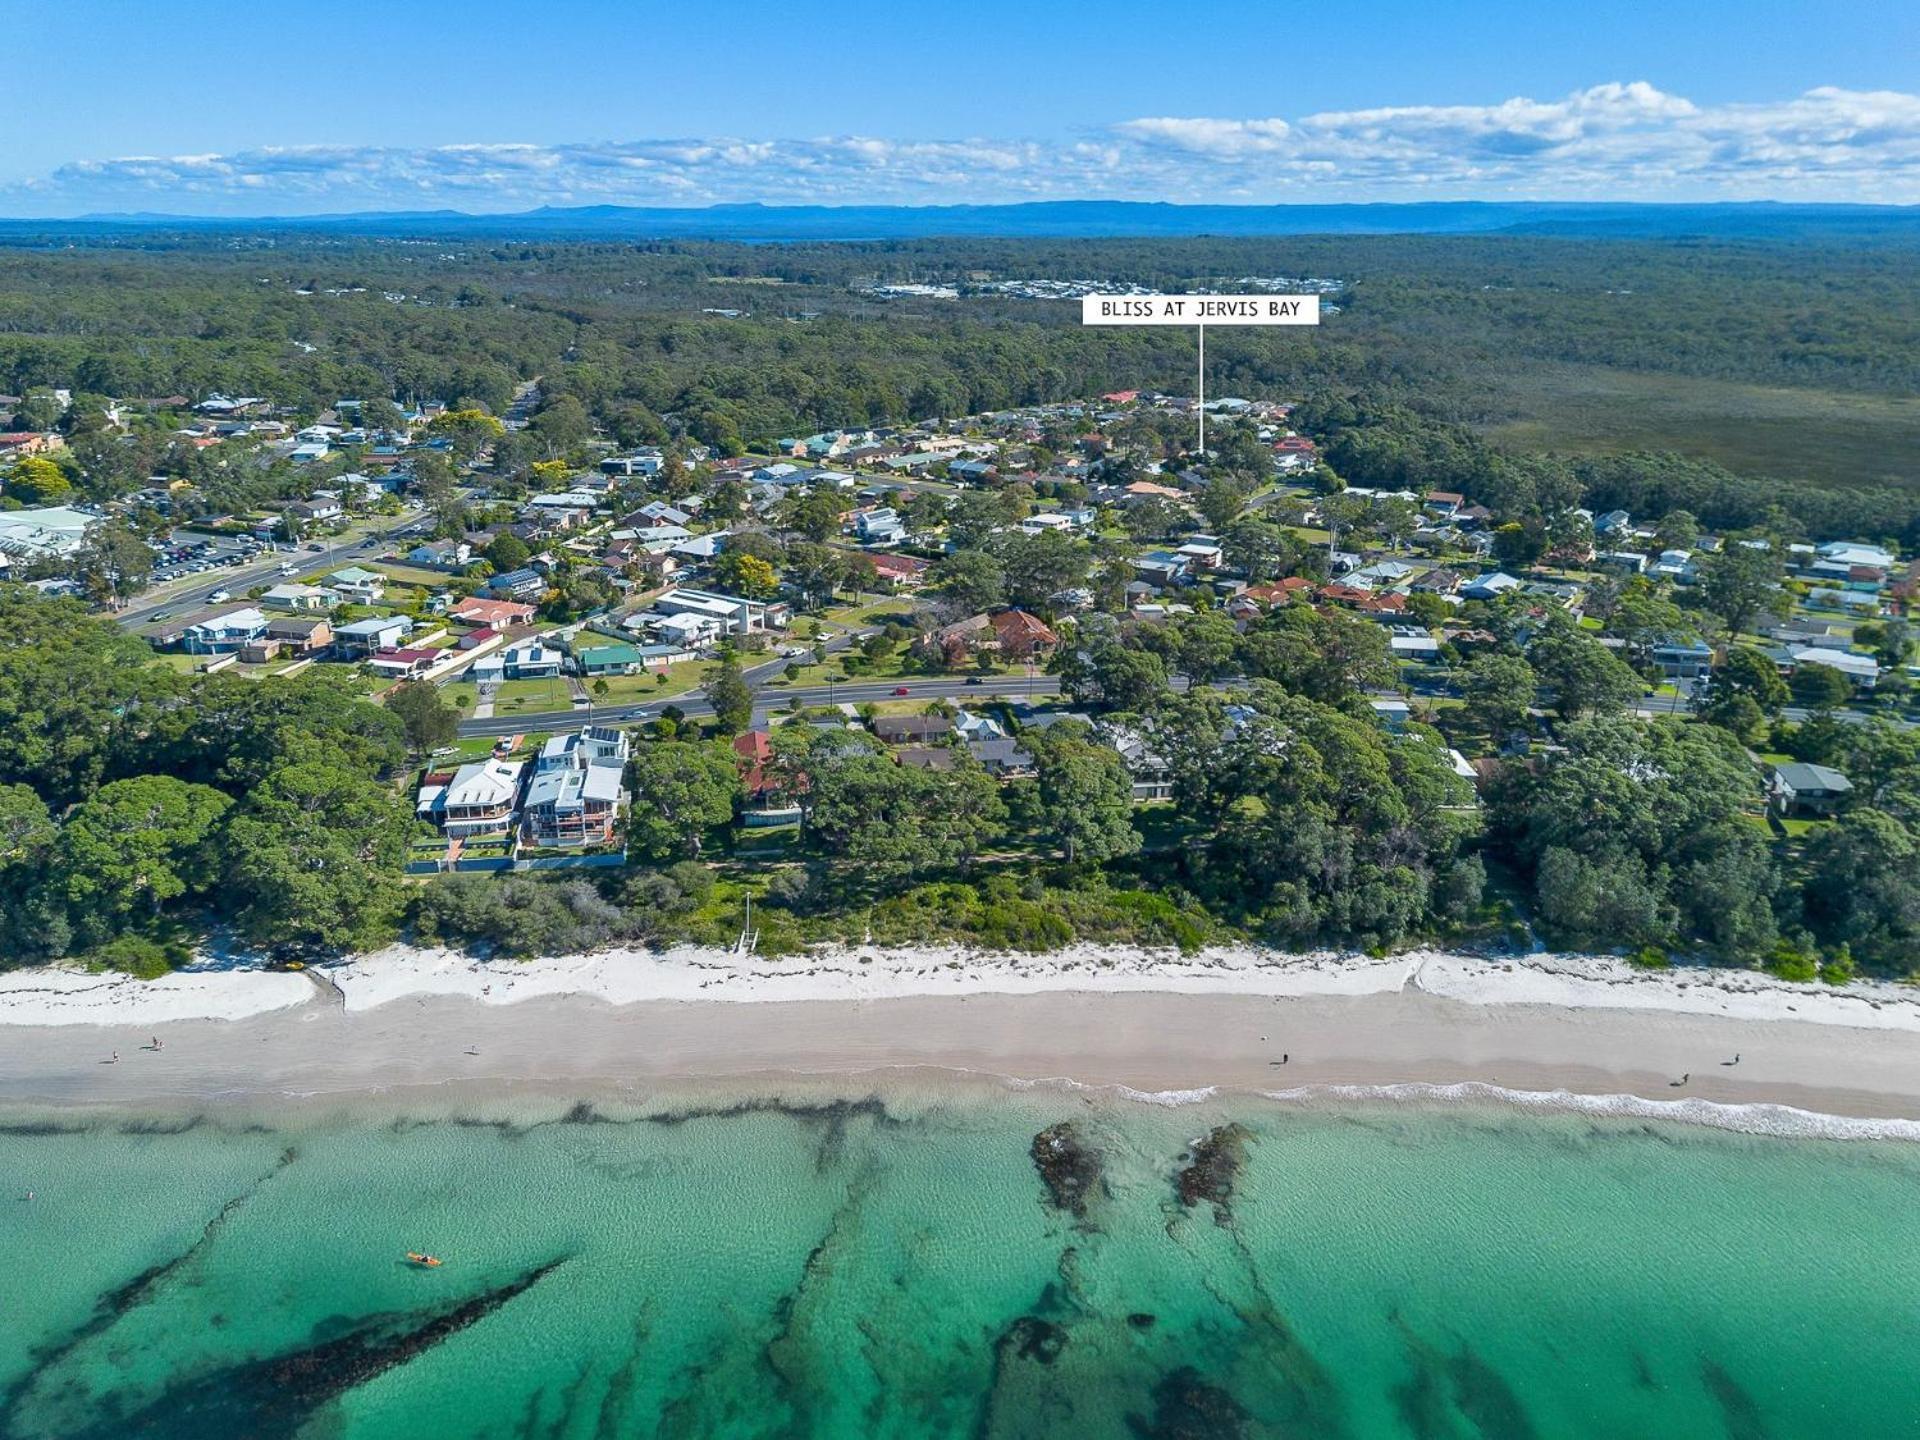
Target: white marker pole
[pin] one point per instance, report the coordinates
(1200, 310)
(1203, 391)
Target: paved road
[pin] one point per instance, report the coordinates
(769, 702)
(189, 592)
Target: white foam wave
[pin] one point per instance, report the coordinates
(1125, 1092)
(1787, 1121)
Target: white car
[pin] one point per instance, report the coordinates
(218, 597)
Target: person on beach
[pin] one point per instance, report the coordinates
(116, 1058)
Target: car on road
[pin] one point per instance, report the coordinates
(315, 545)
(974, 680)
(218, 597)
(901, 690)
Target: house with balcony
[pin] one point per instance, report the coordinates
(358, 584)
(225, 634)
(476, 799)
(362, 638)
(578, 790)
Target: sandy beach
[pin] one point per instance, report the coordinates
(1568, 1031)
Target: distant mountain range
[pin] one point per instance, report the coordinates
(1063, 218)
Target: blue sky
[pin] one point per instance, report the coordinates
(216, 107)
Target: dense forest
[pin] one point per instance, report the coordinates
(1431, 365)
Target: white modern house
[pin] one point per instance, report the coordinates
(479, 798)
(577, 790)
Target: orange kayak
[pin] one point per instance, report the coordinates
(425, 1262)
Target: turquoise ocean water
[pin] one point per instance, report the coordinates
(900, 1266)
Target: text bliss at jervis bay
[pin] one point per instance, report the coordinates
(1200, 310)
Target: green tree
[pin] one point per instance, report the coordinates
(36, 480)
(1085, 794)
(1111, 674)
(429, 720)
(314, 855)
(1586, 677)
(507, 552)
(680, 792)
(1746, 674)
(727, 691)
(968, 582)
(135, 845)
(1821, 687)
(1742, 582)
(112, 562)
(739, 573)
(561, 426)
(1262, 550)
(1325, 655)
(1499, 690)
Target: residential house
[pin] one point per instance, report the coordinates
(880, 527)
(367, 637)
(304, 635)
(290, 596)
(906, 729)
(1445, 503)
(531, 660)
(615, 658)
(1022, 635)
(1202, 552)
(1862, 670)
(1799, 789)
(521, 584)
(402, 664)
(577, 791)
(970, 727)
(441, 554)
(1003, 759)
(734, 615)
(498, 614)
(1489, 587)
(904, 572)
(476, 799)
(1152, 778)
(927, 757)
(225, 634)
(1683, 659)
(1161, 568)
(358, 584)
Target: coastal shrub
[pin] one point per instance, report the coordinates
(1837, 968)
(1649, 957)
(140, 956)
(1791, 963)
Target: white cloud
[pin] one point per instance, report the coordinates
(1619, 140)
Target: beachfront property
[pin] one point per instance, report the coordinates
(476, 799)
(577, 792)
(1800, 789)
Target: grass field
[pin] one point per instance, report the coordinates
(1828, 437)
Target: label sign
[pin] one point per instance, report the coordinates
(1200, 310)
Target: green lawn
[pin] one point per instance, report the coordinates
(632, 689)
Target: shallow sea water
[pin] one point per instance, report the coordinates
(891, 1264)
